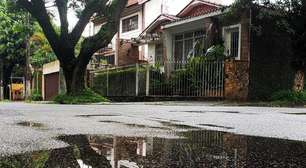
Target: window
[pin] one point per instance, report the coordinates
(130, 24)
(110, 60)
(158, 53)
(185, 45)
(232, 41)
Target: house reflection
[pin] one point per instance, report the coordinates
(200, 149)
(196, 149)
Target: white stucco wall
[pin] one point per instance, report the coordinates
(151, 52)
(152, 10)
(51, 67)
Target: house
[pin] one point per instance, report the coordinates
(252, 68)
(174, 36)
(137, 16)
(199, 24)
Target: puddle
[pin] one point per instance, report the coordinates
(31, 124)
(296, 113)
(111, 122)
(180, 126)
(216, 126)
(134, 125)
(230, 112)
(98, 115)
(196, 149)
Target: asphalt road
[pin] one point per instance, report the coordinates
(30, 127)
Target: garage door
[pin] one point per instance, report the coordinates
(51, 85)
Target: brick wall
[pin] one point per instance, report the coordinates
(127, 54)
(245, 37)
(236, 86)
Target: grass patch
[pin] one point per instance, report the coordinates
(85, 97)
(289, 98)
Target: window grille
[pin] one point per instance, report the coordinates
(130, 24)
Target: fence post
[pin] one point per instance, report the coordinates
(137, 79)
(148, 79)
(107, 81)
(1, 91)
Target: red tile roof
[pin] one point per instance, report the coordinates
(132, 2)
(197, 8)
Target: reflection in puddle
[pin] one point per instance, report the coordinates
(207, 149)
(133, 125)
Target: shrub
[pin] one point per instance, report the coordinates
(85, 97)
(290, 97)
(121, 82)
(36, 96)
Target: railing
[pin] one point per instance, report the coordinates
(197, 78)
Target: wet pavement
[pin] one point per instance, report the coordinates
(194, 149)
(161, 135)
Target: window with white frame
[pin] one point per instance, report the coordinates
(185, 44)
(232, 40)
(130, 24)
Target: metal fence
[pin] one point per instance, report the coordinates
(193, 79)
(199, 78)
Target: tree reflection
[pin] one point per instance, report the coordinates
(198, 149)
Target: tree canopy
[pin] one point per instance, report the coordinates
(41, 51)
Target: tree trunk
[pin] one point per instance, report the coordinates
(299, 80)
(75, 79)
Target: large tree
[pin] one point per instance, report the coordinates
(13, 35)
(64, 43)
